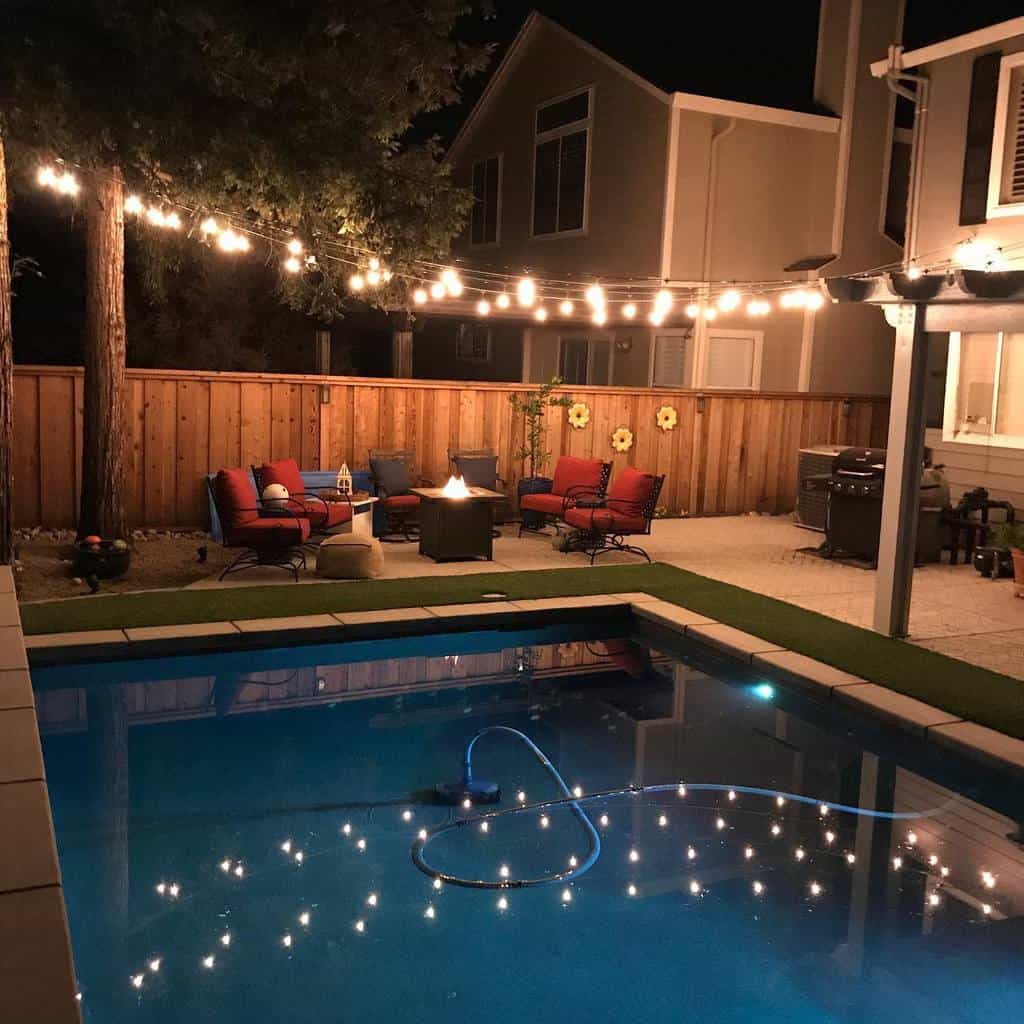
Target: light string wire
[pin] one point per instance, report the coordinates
(638, 288)
(571, 800)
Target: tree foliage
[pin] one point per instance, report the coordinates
(290, 114)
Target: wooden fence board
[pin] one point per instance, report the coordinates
(730, 452)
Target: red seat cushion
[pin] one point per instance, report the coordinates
(631, 487)
(547, 504)
(606, 520)
(328, 514)
(269, 534)
(401, 501)
(236, 498)
(575, 473)
(284, 472)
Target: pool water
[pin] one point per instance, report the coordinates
(235, 835)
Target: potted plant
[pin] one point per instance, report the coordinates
(533, 454)
(1011, 536)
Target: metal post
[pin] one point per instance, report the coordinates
(904, 458)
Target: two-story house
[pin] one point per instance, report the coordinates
(583, 170)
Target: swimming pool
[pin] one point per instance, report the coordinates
(236, 836)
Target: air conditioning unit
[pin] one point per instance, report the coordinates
(810, 505)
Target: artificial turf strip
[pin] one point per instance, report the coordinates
(964, 690)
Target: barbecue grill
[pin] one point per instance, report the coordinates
(854, 507)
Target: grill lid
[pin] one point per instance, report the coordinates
(863, 463)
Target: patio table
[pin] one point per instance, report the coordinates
(456, 529)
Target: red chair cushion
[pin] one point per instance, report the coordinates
(572, 472)
(401, 501)
(633, 487)
(284, 472)
(328, 514)
(605, 520)
(236, 498)
(269, 534)
(547, 504)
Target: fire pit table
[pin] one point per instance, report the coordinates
(456, 528)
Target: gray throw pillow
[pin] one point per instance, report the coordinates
(478, 470)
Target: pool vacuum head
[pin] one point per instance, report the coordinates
(467, 788)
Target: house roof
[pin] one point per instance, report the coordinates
(655, 85)
(950, 47)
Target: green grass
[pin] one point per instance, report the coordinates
(964, 690)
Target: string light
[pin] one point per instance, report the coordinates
(503, 903)
(225, 939)
(521, 797)
(631, 889)
(780, 801)
(729, 300)
(371, 900)
(988, 879)
(600, 318)
(407, 815)
(710, 313)
(484, 826)
(360, 926)
(209, 226)
(286, 941)
(573, 862)
(230, 241)
(815, 889)
(577, 791)
(357, 282)
(934, 899)
(634, 856)
(799, 853)
(603, 821)
(851, 859)
(503, 301)
(373, 278)
(304, 919)
(758, 307)
(540, 313)
(566, 307)
(430, 913)
(526, 292)
(483, 307)
(912, 839)
(662, 821)
(567, 895)
(293, 265)
(814, 301)
(720, 823)
(174, 889)
(692, 310)
(360, 845)
(691, 853)
(225, 865)
(419, 296)
(137, 980)
(133, 205)
(731, 795)
(823, 810)
(897, 863)
(503, 871)
(208, 961)
(758, 888)
(544, 821)
(437, 290)
(154, 964)
(776, 829)
(422, 834)
(66, 184)
(294, 246)
(629, 310)
(914, 272)
(681, 791)
(748, 853)
(438, 884)
(830, 837)
(695, 888)
(299, 856)
(595, 297)
(346, 829)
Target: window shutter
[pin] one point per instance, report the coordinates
(981, 122)
(1013, 168)
(669, 361)
(730, 361)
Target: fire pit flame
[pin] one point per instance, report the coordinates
(455, 488)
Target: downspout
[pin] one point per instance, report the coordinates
(895, 79)
(701, 326)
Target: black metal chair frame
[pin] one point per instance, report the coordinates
(454, 454)
(290, 557)
(317, 526)
(399, 527)
(601, 541)
(569, 499)
(973, 531)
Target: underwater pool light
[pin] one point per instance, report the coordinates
(764, 690)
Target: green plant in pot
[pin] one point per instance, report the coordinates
(1011, 536)
(533, 454)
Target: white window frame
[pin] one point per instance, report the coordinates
(555, 133)
(949, 431)
(689, 351)
(590, 337)
(500, 157)
(726, 332)
(1007, 66)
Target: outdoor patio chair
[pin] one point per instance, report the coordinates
(323, 516)
(393, 478)
(271, 537)
(479, 468)
(626, 511)
(575, 478)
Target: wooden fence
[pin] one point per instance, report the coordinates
(730, 452)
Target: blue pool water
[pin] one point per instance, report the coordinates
(185, 790)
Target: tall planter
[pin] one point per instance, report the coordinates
(534, 453)
(102, 509)
(532, 485)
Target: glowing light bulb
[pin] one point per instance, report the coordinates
(172, 221)
(691, 853)
(988, 879)
(155, 217)
(430, 913)
(438, 884)
(776, 829)
(748, 853)
(634, 856)
(225, 939)
(526, 292)
(373, 278)
(374, 263)
(830, 837)
(133, 204)
(603, 821)
(815, 889)
(897, 863)
(503, 903)
(503, 871)
(631, 889)
(294, 246)
(286, 941)
(239, 871)
(437, 290)
(209, 961)
(720, 823)
(572, 861)
(934, 899)
(758, 307)
(799, 853)
(419, 296)
(154, 964)
(577, 791)
(710, 313)
(629, 310)
(692, 310)
(540, 313)
(360, 926)
(47, 177)
(663, 301)
(502, 301)
(944, 871)
(406, 815)
(986, 909)
(483, 307)
(346, 829)
(780, 801)
(209, 226)
(851, 858)
(823, 809)
(731, 795)
(914, 272)
(912, 839)
(454, 288)
(567, 895)
(484, 826)
(521, 796)
(357, 282)
(814, 301)
(662, 821)
(600, 318)
(137, 980)
(467, 804)
(371, 900)
(360, 845)
(695, 888)
(758, 888)
(422, 834)
(173, 890)
(595, 296)
(67, 184)
(544, 821)
(292, 265)
(681, 791)
(656, 319)
(728, 300)
(566, 307)
(299, 856)
(933, 860)
(225, 865)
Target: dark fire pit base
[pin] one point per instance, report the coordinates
(457, 529)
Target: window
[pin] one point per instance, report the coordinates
(670, 351)
(485, 221)
(473, 343)
(733, 359)
(585, 360)
(560, 158)
(1006, 177)
(985, 389)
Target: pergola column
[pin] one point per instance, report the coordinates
(904, 457)
(401, 344)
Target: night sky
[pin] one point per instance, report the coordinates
(758, 53)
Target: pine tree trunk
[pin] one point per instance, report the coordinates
(6, 378)
(103, 442)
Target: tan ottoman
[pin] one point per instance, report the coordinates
(350, 556)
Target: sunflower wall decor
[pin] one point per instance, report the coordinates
(579, 415)
(622, 439)
(667, 417)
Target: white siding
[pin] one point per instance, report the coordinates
(1000, 470)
